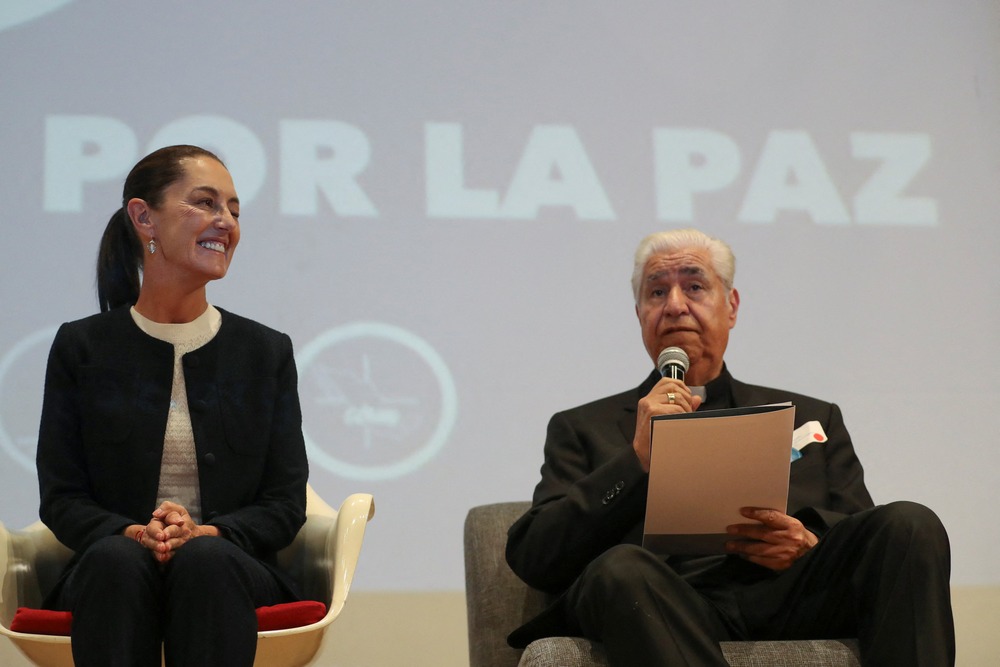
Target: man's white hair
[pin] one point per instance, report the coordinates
(675, 240)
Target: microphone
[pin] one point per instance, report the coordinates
(673, 363)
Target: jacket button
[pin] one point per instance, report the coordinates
(209, 459)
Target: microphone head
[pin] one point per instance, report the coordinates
(673, 362)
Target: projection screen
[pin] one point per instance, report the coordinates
(440, 202)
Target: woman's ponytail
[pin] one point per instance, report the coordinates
(119, 263)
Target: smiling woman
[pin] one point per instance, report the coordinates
(179, 226)
(196, 229)
(158, 418)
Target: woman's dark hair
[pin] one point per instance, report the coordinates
(119, 261)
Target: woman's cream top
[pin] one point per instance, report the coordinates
(179, 465)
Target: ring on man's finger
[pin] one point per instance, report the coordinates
(671, 397)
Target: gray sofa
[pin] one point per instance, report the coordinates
(497, 602)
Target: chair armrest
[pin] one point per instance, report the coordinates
(31, 561)
(497, 601)
(343, 546)
(8, 581)
(328, 547)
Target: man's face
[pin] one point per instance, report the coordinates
(683, 302)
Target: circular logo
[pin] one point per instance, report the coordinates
(378, 402)
(22, 379)
(16, 12)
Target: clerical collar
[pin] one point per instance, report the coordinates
(717, 392)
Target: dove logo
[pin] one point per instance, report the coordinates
(378, 402)
(16, 12)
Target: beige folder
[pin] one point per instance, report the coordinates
(705, 466)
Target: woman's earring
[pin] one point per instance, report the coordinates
(151, 246)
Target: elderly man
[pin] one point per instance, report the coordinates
(833, 566)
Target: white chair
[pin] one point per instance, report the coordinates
(322, 559)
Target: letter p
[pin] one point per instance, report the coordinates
(81, 150)
(689, 161)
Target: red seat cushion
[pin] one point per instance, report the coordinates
(276, 617)
(41, 621)
(289, 615)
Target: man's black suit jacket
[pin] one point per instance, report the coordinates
(592, 494)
